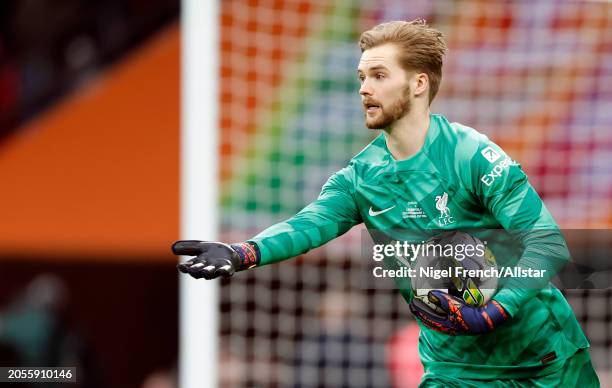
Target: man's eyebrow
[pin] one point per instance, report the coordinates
(374, 68)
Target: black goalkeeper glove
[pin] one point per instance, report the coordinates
(214, 259)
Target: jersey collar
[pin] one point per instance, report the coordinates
(419, 161)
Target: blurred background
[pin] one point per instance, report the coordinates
(89, 151)
(89, 129)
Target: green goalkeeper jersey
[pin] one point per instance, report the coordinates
(458, 180)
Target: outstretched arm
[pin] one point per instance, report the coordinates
(332, 214)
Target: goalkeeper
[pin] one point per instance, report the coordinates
(455, 178)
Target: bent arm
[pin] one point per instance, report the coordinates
(519, 209)
(523, 214)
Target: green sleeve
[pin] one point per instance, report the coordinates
(503, 188)
(331, 215)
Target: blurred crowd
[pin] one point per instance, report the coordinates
(47, 48)
(35, 331)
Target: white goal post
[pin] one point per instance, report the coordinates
(198, 328)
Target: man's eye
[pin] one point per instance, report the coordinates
(361, 78)
(380, 76)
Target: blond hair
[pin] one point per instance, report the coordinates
(422, 48)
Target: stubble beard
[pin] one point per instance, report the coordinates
(387, 117)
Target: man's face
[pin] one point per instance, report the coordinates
(385, 92)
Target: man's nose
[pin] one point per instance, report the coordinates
(365, 89)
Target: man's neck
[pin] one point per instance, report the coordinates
(407, 135)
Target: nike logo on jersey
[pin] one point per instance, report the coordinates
(373, 213)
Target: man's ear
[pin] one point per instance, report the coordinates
(420, 83)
